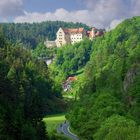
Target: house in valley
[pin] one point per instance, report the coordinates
(67, 85)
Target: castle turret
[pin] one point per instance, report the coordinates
(93, 32)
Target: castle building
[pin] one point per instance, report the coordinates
(70, 36)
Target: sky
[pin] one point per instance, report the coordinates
(97, 13)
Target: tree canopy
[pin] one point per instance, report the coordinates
(110, 87)
(26, 94)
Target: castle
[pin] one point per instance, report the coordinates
(70, 36)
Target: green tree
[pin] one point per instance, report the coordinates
(118, 128)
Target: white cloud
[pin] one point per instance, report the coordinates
(59, 14)
(10, 8)
(98, 13)
(135, 7)
(110, 12)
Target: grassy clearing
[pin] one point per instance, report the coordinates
(68, 96)
(53, 121)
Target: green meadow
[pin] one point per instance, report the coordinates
(53, 121)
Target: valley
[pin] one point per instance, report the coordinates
(89, 91)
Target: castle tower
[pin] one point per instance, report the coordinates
(93, 32)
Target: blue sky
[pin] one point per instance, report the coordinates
(52, 5)
(98, 13)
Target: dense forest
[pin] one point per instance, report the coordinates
(109, 104)
(32, 34)
(41, 51)
(27, 93)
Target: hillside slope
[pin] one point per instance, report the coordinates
(27, 94)
(69, 59)
(109, 105)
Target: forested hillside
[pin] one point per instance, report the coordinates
(26, 94)
(71, 58)
(32, 34)
(109, 105)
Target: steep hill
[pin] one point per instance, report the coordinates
(109, 105)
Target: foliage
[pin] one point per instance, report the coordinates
(55, 136)
(69, 59)
(110, 86)
(42, 51)
(26, 94)
(115, 125)
(102, 106)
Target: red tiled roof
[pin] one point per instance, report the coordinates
(72, 79)
(74, 30)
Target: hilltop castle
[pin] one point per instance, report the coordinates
(70, 36)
